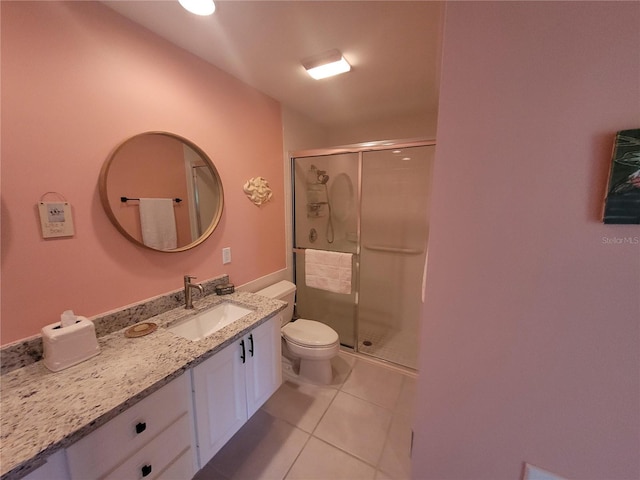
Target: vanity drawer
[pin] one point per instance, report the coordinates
(105, 448)
(158, 454)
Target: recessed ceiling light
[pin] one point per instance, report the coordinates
(199, 7)
(326, 64)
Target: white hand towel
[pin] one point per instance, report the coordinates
(158, 223)
(329, 271)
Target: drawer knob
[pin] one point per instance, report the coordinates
(141, 427)
(146, 470)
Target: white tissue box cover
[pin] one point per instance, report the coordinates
(68, 346)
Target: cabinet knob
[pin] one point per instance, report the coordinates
(141, 427)
(146, 470)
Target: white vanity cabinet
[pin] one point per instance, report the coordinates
(230, 386)
(153, 440)
(263, 364)
(55, 468)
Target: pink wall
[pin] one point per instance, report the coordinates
(77, 79)
(530, 340)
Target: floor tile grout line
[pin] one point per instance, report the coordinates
(387, 434)
(392, 411)
(375, 466)
(395, 401)
(386, 437)
(333, 399)
(345, 452)
(339, 388)
(311, 435)
(298, 455)
(317, 423)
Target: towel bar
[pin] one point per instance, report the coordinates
(406, 251)
(126, 199)
(302, 249)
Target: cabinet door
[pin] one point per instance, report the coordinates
(263, 367)
(219, 399)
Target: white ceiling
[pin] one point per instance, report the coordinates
(392, 46)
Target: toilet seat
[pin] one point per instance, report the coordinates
(310, 334)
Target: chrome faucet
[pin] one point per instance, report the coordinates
(188, 300)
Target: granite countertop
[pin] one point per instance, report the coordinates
(43, 411)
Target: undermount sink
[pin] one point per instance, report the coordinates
(209, 321)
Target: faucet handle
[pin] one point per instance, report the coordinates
(188, 278)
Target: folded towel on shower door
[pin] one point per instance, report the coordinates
(329, 271)
(158, 222)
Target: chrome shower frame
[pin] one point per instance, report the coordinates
(360, 149)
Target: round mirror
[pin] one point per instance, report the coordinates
(161, 192)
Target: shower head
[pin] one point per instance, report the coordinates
(323, 178)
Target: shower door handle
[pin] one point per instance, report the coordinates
(382, 248)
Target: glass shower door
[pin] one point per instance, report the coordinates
(325, 216)
(394, 235)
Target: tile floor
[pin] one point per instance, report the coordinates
(357, 428)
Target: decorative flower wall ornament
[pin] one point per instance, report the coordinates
(257, 190)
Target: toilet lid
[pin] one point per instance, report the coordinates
(309, 332)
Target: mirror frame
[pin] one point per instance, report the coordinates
(104, 197)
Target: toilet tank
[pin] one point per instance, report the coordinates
(285, 291)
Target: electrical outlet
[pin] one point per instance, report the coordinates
(226, 255)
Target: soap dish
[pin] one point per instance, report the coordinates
(140, 330)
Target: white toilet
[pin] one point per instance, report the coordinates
(314, 343)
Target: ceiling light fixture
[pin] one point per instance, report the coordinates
(199, 7)
(326, 64)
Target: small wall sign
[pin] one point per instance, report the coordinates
(55, 219)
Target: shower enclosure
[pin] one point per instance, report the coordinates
(371, 203)
(203, 191)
